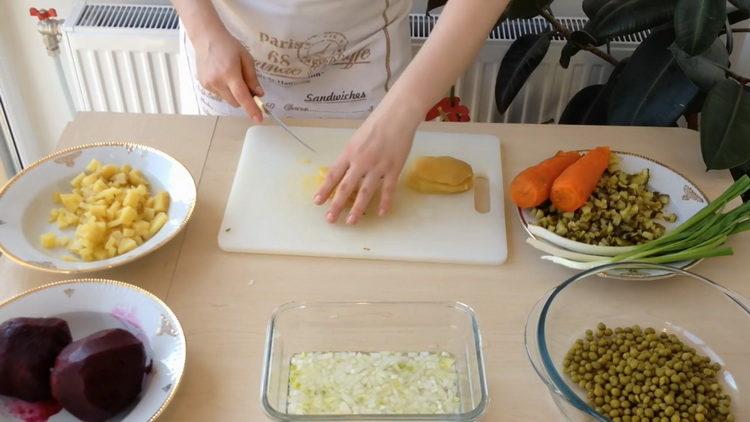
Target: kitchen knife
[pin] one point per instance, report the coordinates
(280, 123)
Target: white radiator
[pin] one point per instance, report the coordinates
(122, 58)
(125, 58)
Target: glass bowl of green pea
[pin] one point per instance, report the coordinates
(669, 350)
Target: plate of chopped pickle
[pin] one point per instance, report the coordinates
(605, 209)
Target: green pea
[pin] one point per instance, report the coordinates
(637, 374)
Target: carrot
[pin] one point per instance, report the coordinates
(531, 187)
(574, 186)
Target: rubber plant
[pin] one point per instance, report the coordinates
(682, 68)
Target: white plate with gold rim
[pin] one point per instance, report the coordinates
(686, 199)
(90, 305)
(26, 201)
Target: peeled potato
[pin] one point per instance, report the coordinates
(440, 175)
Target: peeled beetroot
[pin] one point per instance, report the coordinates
(28, 348)
(98, 376)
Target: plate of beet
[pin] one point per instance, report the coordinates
(92, 350)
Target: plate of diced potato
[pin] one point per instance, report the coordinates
(94, 207)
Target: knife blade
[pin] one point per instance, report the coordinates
(283, 125)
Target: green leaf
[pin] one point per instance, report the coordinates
(652, 90)
(522, 58)
(434, 4)
(741, 4)
(571, 47)
(697, 23)
(579, 108)
(630, 16)
(738, 16)
(589, 106)
(584, 36)
(568, 51)
(725, 126)
(696, 105)
(739, 171)
(700, 69)
(591, 7)
(525, 9)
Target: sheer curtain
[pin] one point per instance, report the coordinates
(9, 160)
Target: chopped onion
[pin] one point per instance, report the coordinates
(346, 383)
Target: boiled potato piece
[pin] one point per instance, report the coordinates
(100, 185)
(126, 245)
(49, 240)
(108, 171)
(93, 166)
(148, 214)
(76, 182)
(70, 201)
(440, 175)
(98, 210)
(119, 179)
(112, 210)
(136, 178)
(161, 202)
(157, 223)
(132, 198)
(141, 228)
(128, 216)
(88, 180)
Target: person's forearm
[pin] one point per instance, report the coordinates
(451, 47)
(198, 17)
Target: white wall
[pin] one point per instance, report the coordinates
(33, 75)
(24, 62)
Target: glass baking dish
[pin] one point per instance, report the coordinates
(374, 327)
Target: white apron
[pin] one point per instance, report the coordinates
(315, 58)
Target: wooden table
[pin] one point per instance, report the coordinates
(224, 300)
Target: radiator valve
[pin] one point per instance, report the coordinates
(49, 27)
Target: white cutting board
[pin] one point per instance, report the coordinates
(270, 208)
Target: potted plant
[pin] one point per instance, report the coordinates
(681, 69)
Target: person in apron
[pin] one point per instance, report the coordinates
(333, 59)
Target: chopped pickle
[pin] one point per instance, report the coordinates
(622, 211)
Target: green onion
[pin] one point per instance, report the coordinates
(701, 236)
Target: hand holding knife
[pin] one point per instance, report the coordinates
(278, 121)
